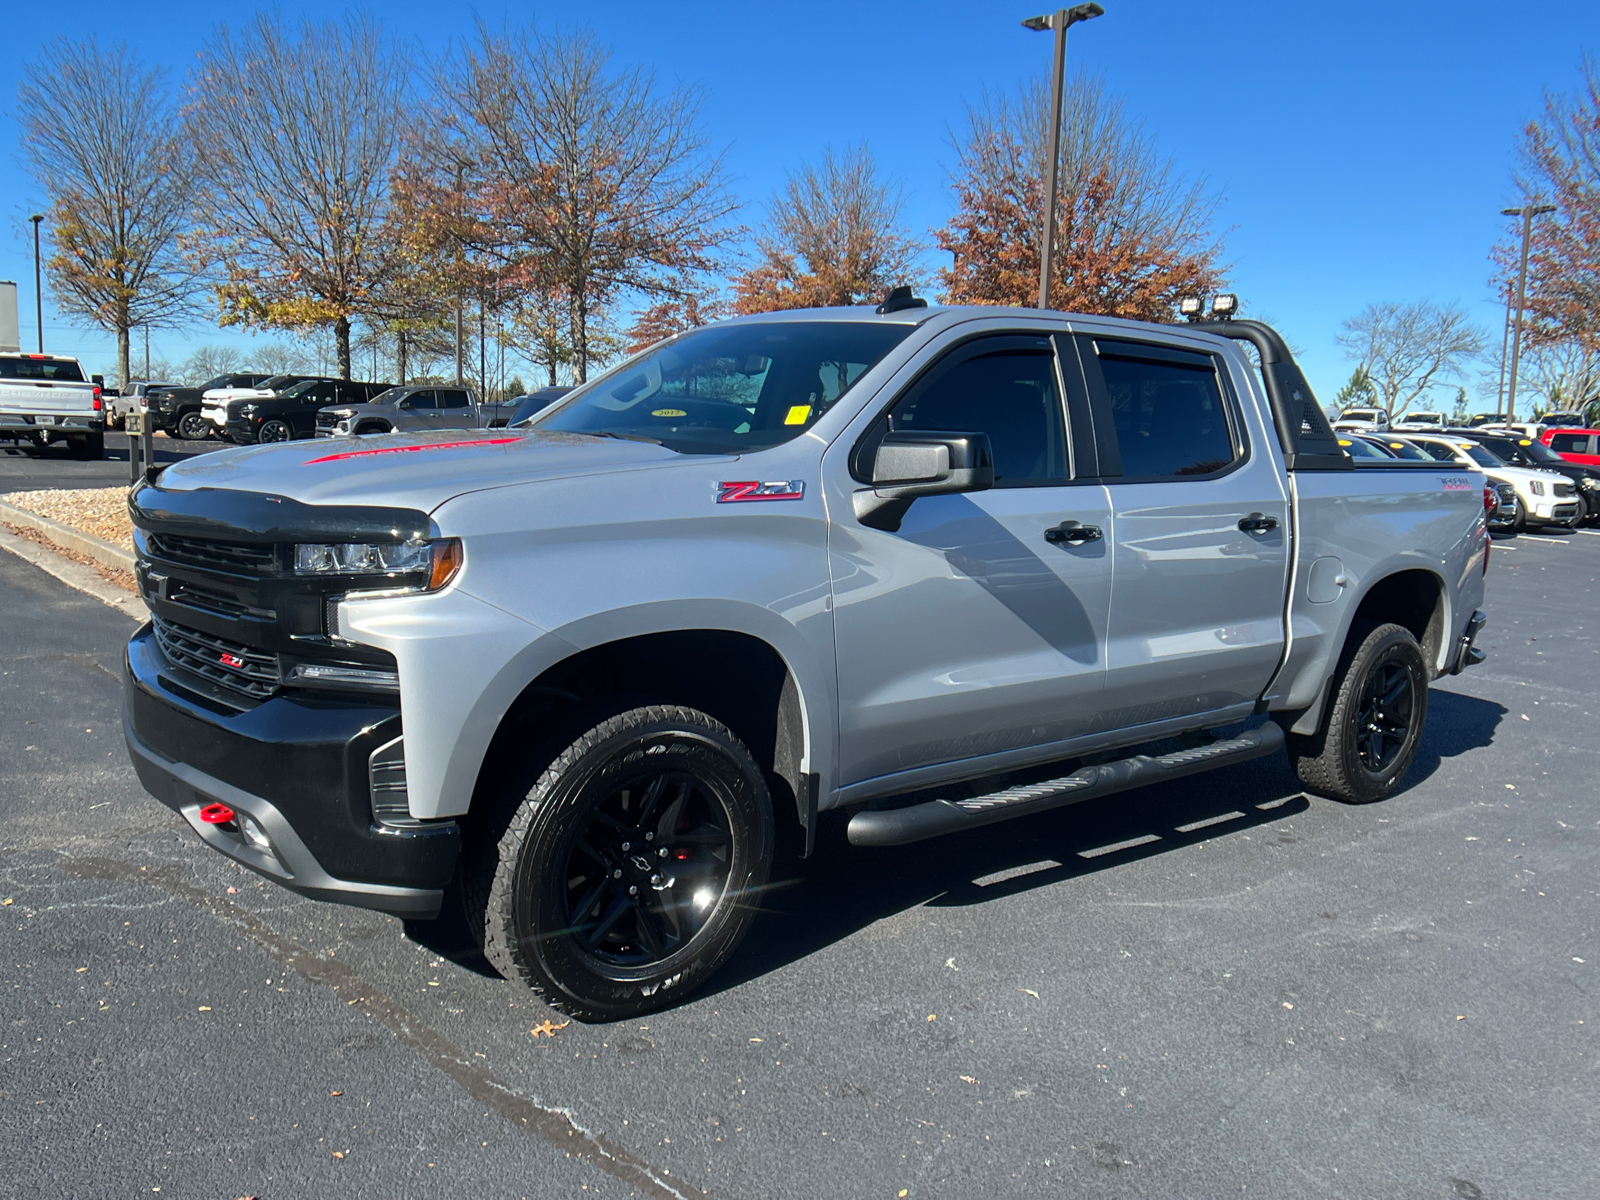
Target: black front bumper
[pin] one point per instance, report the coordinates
(297, 763)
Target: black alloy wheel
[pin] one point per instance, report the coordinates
(1383, 717)
(1373, 722)
(628, 872)
(193, 427)
(274, 431)
(645, 867)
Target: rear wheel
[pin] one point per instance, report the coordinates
(274, 431)
(372, 428)
(1370, 732)
(1519, 523)
(628, 873)
(193, 427)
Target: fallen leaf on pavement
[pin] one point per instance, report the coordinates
(1286, 1004)
(233, 891)
(205, 1008)
(6, 901)
(338, 1153)
(1030, 992)
(933, 1016)
(335, 1093)
(548, 1028)
(968, 1079)
(1461, 1018)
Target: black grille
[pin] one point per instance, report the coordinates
(209, 600)
(1565, 489)
(255, 676)
(327, 420)
(234, 557)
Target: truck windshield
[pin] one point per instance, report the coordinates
(1483, 457)
(55, 370)
(728, 388)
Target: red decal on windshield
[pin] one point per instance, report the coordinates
(752, 489)
(408, 449)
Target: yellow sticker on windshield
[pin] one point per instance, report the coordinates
(669, 412)
(1524, 442)
(798, 415)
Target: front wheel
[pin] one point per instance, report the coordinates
(275, 431)
(631, 869)
(192, 427)
(1370, 732)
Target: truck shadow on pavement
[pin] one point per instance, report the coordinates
(843, 889)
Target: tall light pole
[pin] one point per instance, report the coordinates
(1527, 212)
(1060, 21)
(1505, 349)
(38, 285)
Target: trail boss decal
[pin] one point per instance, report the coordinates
(1455, 485)
(747, 490)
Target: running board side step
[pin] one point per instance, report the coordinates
(898, 826)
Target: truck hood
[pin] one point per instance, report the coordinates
(418, 471)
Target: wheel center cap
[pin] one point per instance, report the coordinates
(640, 864)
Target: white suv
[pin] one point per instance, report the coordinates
(1544, 497)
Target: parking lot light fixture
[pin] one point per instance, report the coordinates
(1527, 212)
(1060, 21)
(38, 286)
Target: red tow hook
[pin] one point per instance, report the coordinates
(217, 814)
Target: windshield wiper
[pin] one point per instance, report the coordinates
(622, 437)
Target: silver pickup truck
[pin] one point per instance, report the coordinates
(934, 567)
(46, 398)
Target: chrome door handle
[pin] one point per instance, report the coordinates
(1072, 532)
(1257, 523)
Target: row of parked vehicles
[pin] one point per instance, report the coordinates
(248, 408)
(1539, 484)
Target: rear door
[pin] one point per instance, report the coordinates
(1576, 447)
(455, 410)
(968, 633)
(1200, 532)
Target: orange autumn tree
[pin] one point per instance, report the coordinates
(1132, 234)
(834, 237)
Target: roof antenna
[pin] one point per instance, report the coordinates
(900, 298)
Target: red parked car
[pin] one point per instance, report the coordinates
(1574, 445)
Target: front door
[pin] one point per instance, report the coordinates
(1200, 540)
(968, 634)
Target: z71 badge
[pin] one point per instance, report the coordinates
(747, 490)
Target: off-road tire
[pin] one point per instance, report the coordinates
(515, 882)
(1328, 762)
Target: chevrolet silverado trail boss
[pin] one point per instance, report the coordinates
(913, 563)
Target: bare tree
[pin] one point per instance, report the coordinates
(1408, 348)
(1133, 236)
(102, 140)
(833, 237)
(209, 361)
(295, 137)
(577, 181)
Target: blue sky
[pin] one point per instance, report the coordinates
(1362, 153)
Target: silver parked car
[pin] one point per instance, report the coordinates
(411, 408)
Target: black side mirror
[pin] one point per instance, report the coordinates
(912, 463)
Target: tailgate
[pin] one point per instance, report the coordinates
(27, 397)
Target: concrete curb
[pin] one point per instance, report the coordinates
(107, 554)
(75, 575)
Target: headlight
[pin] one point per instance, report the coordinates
(247, 411)
(441, 559)
(1536, 487)
(1589, 481)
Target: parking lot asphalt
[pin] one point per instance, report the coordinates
(23, 468)
(1214, 987)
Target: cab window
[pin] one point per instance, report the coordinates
(1004, 386)
(1167, 409)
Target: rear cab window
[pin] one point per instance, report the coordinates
(49, 370)
(1166, 407)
